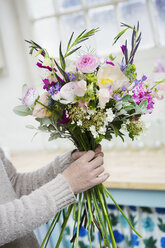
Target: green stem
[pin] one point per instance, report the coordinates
(43, 105)
(64, 224)
(49, 230)
(78, 220)
(106, 241)
(104, 204)
(89, 205)
(121, 212)
(106, 217)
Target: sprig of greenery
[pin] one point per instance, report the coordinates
(80, 38)
(136, 39)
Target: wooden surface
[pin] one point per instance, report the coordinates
(128, 169)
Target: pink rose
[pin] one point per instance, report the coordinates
(29, 97)
(87, 63)
(39, 111)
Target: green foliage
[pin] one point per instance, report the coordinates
(130, 72)
(80, 38)
(22, 110)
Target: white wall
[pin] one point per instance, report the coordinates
(13, 133)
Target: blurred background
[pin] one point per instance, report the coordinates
(50, 21)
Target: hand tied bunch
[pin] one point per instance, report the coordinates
(93, 101)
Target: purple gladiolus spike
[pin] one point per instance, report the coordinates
(45, 67)
(65, 118)
(123, 48)
(110, 63)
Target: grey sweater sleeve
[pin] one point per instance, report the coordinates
(21, 216)
(25, 183)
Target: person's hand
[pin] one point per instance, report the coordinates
(86, 172)
(77, 154)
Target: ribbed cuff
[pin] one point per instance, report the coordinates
(61, 191)
(66, 160)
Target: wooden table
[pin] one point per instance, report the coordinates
(137, 177)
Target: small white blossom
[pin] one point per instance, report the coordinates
(102, 130)
(93, 131)
(88, 117)
(110, 115)
(79, 123)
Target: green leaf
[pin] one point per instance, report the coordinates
(119, 35)
(22, 110)
(70, 41)
(30, 127)
(39, 52)
(126, 98)
(73, 51)
(54, 136)
(62, 71)
(143, 104)
(62, 60)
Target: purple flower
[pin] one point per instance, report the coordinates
(110, 63)
(87, 63)
(144, 78)
(123, 48)
(140, 94)
(117, 97)
(65, 118)
(124, 88)
(54, 89)
(30, 97)
(122, 66)
(46, 67)
(72, 76)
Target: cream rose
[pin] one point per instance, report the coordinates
(40, 111)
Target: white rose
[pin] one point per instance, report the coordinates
(104, 96)
(109, 75)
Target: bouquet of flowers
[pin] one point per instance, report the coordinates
(94, 100)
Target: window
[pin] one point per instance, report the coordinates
(54, 20)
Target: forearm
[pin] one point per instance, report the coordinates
(25, 183)
(23, 215)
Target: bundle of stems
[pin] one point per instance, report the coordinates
(89, 211)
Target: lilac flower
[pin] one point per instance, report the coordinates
(110, 63)
(144, 78)
(55, 88)
(124, 88)
(123, 48)
(65, 118)
(72, 76)
(117, 97)
(122, 66)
